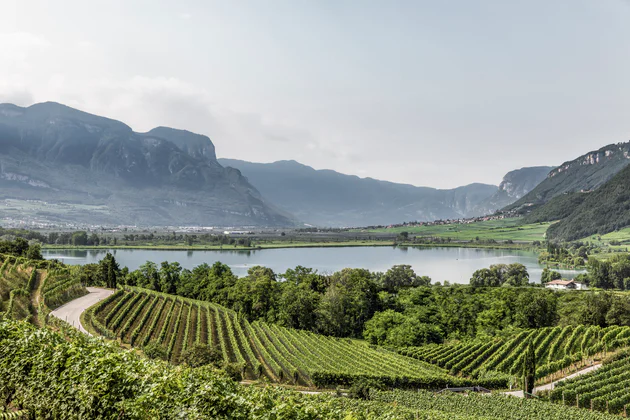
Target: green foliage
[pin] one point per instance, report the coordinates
(390, 328)
(201, 355)
(529, 369)
(499, 275)
(603, 210)
(155, 351)
(549, 275)
(363, 387)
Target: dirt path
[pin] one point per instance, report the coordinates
(71, 311)
(551, 385)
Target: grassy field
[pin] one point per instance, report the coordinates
(499, 230)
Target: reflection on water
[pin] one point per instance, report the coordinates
(453, 264)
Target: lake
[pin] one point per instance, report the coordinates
(453, 264)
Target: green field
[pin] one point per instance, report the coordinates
(499, 230)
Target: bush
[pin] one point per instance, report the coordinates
(362, 387)
(155, 351)
(201, 355)
(234, 371)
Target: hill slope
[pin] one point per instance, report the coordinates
(81, 168)
(586, 173)
(603, 210)
(329, 198)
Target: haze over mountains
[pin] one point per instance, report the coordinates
(56, 154)
(62, 165)
(329, 198)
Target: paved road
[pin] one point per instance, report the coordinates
(551, 384)
(71, 311)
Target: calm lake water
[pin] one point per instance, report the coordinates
(453, 264)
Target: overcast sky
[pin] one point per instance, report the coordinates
(439, 93)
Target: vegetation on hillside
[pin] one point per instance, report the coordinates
(604, 210)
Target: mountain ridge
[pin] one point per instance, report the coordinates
(585, 173)
(52, 152)
(337, 199)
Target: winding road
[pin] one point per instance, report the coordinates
(552, 384)
(71, 311)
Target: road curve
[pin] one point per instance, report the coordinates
(71, 311)
(550, 385)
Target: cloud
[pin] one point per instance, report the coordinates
(20, 96)
(185, 16)
(22, 40)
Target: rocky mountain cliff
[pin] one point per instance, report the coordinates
(586, 173)
(516, 184)
(102, 172)
(329, 198)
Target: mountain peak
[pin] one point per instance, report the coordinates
(196, 145)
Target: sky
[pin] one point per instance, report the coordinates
(431, 93)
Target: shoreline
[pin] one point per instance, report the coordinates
(350, 244)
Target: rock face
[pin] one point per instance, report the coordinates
(586, 173)
(57, 154)
(329, 198)
(516, 184)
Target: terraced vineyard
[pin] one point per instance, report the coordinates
(139, 316)
(20, 278)
(605, 389)
(14, 291)
(556, 348)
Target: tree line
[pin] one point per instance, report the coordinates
(395, 308)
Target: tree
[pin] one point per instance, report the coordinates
(400, 276)
(529, 369)
(484, 277)
(536, 309)
(169, 276)
(109, 271)
(79, 238)
(516, 275)
(349, 301)
(34, 252)
(549, 275)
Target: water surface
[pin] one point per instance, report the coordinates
(452, 264)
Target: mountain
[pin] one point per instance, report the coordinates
(60, 164)
(604, 210)
(329, 198)
(586, 173)
(516, 184)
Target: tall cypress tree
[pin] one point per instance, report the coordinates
(529, 369)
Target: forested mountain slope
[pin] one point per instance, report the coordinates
(603, 210)
(76, 167)
(586, 173)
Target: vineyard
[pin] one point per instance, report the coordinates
(605, 389)
(27, 287)
(139, 317)
(94, 379)
(556, 349)
(493, 406)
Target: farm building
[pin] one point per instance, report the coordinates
(566, 285)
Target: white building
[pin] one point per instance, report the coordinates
(566, 285)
